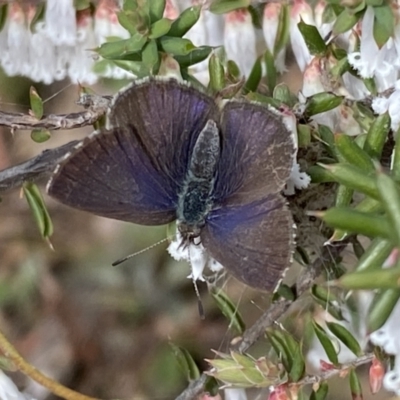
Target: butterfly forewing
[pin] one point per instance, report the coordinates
(257, 153)
(134, 171)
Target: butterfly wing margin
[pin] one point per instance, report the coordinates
(254, 241)
(257, 153)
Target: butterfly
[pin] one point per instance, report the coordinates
(171, 152)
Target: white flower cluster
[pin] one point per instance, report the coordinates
(61, 44)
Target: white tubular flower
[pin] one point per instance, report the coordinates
(60, 22)
(208, 31)
(171, 10)
(301, 10)
(370, 60)
(106, 22)
(196, 254)
(240, 40)
(81, 60)
(270, 30)
(8, 390)
(323, 28)
(16, 55)
(312, 83)
(392, 105)
(355, 86)
(297, 180)
(235, 394)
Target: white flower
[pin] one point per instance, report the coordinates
(61, 22)
(297, 180)
(392, 105)
(371, 61)
(196, 254)
(312, 83)
(240, 40)
(323, 28)
(235, 394)
(8, 390)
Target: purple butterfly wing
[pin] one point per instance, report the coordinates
(134, 171)
(257, 153)
(250, 230)
(253, 241)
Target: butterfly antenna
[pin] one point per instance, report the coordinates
(121, 260)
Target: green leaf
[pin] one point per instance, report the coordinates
(225, 6)
(252, 96)
(354, 178)
(345, 21)
(283, 31)
(326, 343)
(229, 310)
(377, 135)
(283, 94)
(128, 21)
(303, 135)
(197, 55)
(321, 393)
(376, 254)
(396, 159)
(390, 197)
(355, 385)
(327, 300)
(357, 222)
(254, 78)
(384, 24)
(315, 44)
(186, 362)
(3, 15)
(217, 73)
(298, 365)
(156, 10)
(381, 308)
(371, 279)
(117, 49)
(322, 102)
(40, 135)
(136, 67)
(38, 208)
(233, 70)
(150, 56)
(81, 4)
(281, 347)
(271, 70)
(36, 103)
(345, 337)
(185, 21)
(176, 46)
(353, 153)
(160, 28)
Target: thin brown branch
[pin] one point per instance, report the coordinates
(96, 107)
(56, 388)
(38, 167)
(311, 379)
